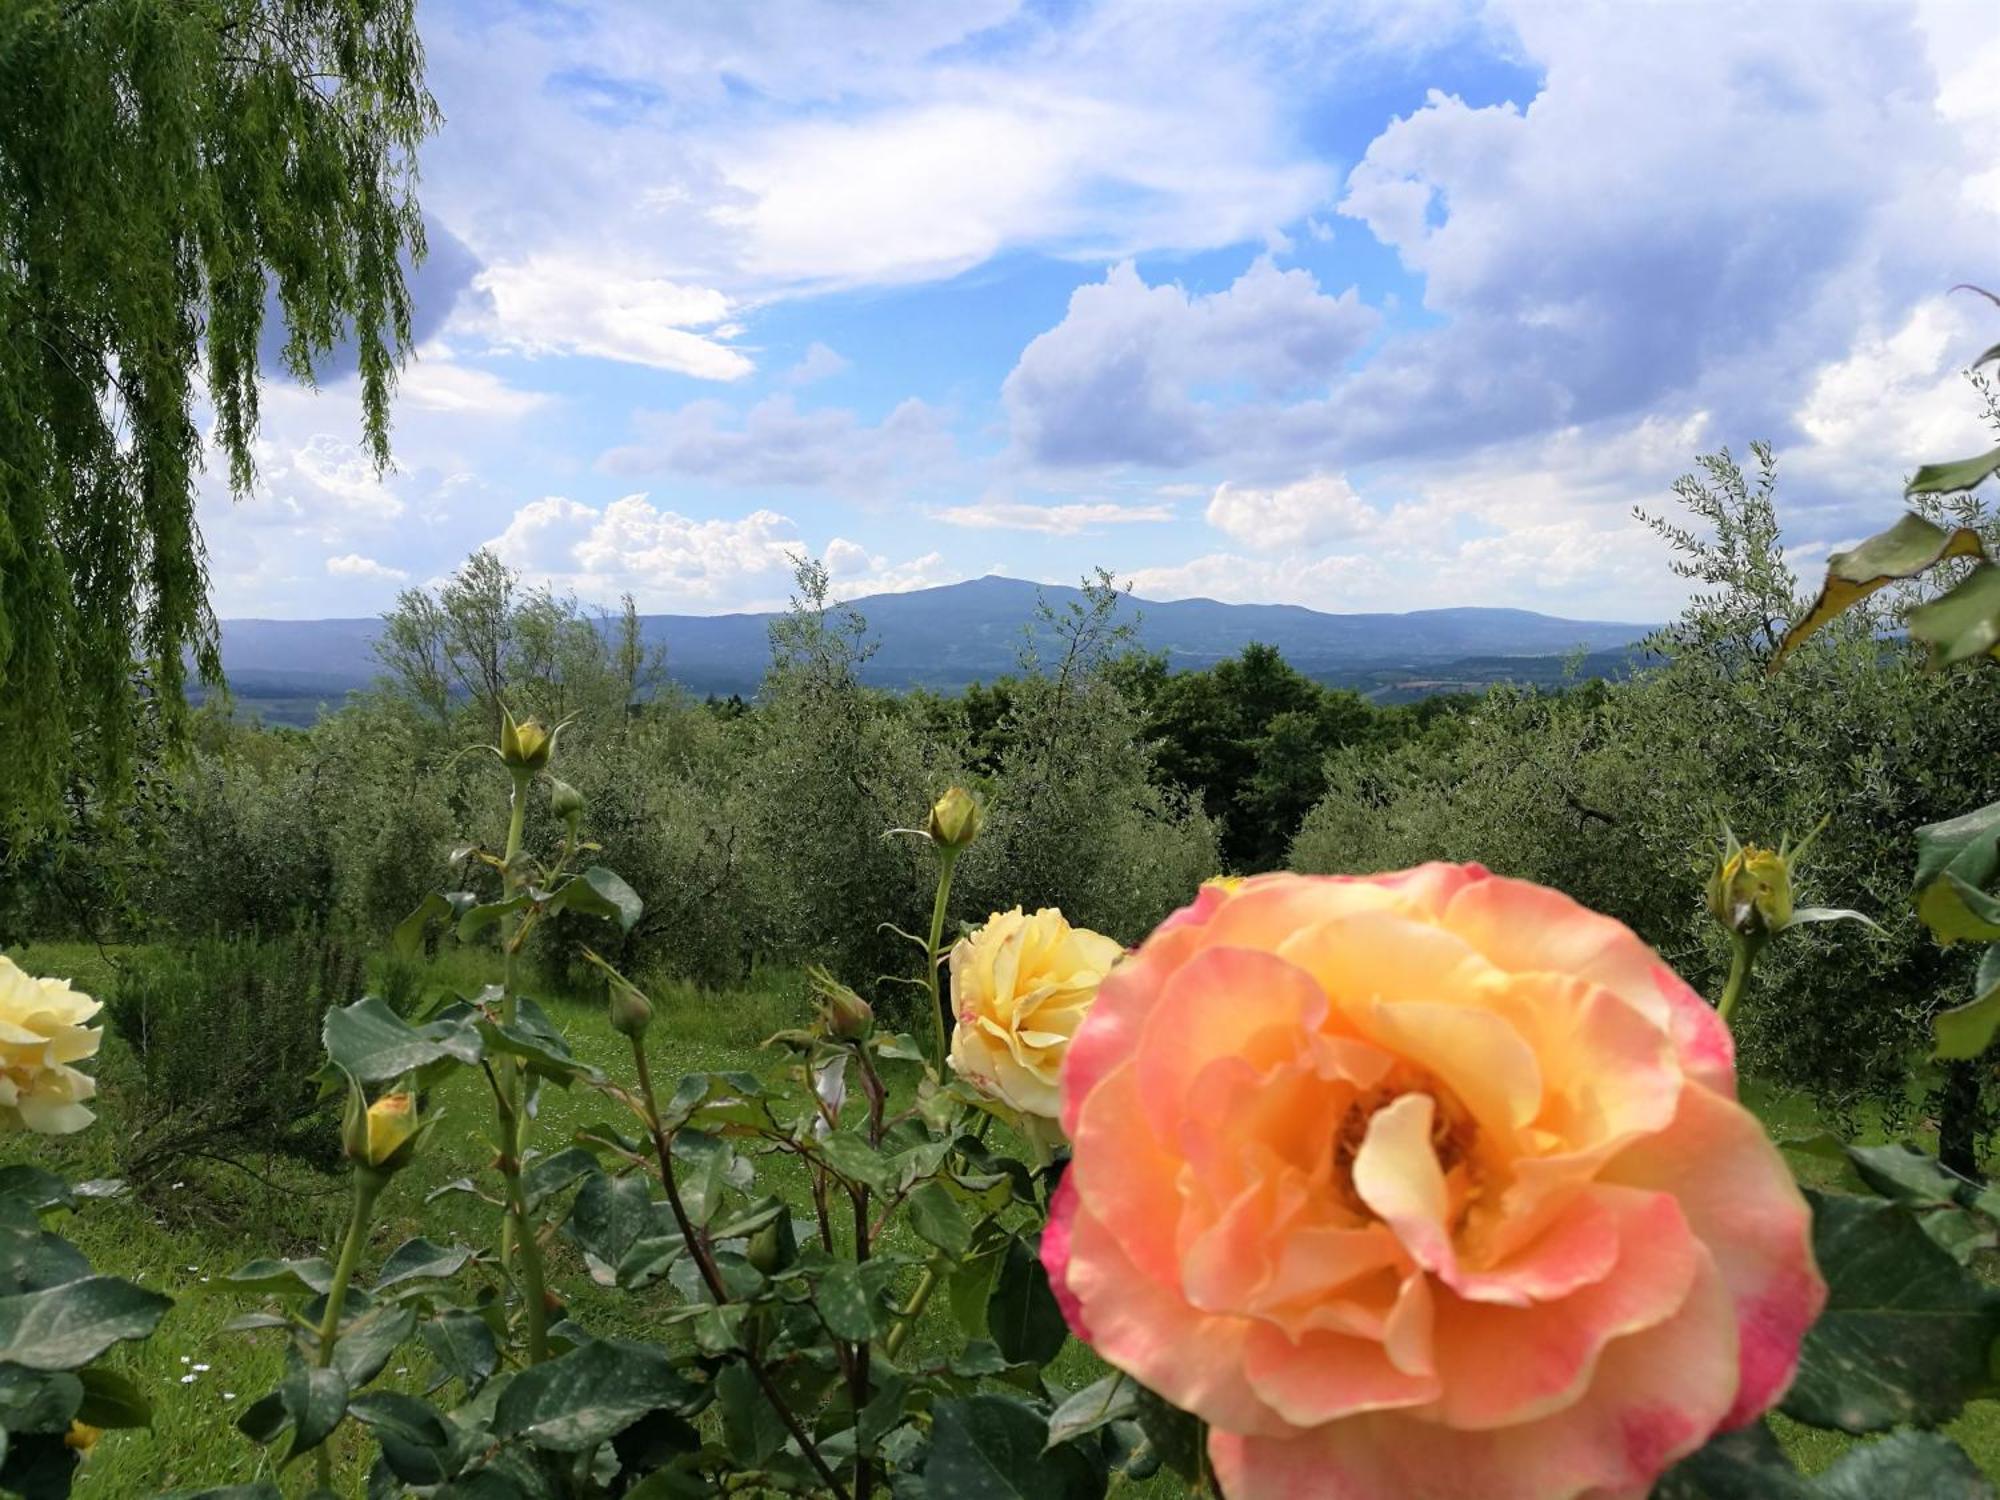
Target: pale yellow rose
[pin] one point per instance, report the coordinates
(41, 1034)
(1020, 986)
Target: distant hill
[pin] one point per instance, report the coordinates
(947, 637)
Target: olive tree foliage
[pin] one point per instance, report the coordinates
(831, 767)
(166, 166)
(1077, 819)
(1618, 794)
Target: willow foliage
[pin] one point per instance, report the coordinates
(168, 168)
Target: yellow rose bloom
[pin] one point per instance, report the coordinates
(41, 1034)
(1020, 986)
(392, 1120)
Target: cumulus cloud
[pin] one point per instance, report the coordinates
(354, 565)
(667, 560)
(1304, 513)
(1069, 519)
(817, 363)
(560, 304)
(775, 443)
(1121, 378)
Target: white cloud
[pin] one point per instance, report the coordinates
(775, 443)
(671, 561)
(1070, 519)
(564, 304)
(818, 363)
(1129, 374)
(434, 381)
(354, 565)
(1301, 514)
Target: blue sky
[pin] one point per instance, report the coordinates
(1361, 306)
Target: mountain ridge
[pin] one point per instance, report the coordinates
(948, 635)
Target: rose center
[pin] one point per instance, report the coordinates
(1453, 1136)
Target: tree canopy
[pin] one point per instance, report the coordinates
(170, 170)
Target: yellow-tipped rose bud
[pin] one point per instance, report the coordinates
(1750, 891)
(565, 801)
(630, 1011)
(82, 1437)
(381, 1136)
(955, 819)
(525, 745)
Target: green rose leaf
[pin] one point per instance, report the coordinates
(1949, 478)
(579, 1399)
(1906, 1331)
(937, 1218)
(1905, 550)
(1962, 623)
(315, 1399)
(1956, 861)
(368, 1342)
(373, 1043)
(420, 1260)
(1905, 1465)
(438, 906)
(476, 919)
(599, 892)
(112, 1400)
(66, 1327)
(463, 1347)
(281, 1277)
(1746, 1464)
(1022, 1315)
(849, 1299)
(415, 1441)
(1966, 1031)
(751, 1426)
(1115, 1398)
(993, 1448)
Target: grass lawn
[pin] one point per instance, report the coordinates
(184, 1234)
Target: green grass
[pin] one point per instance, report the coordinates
(183, 1235)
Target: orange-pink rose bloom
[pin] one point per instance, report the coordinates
(1424, 1186)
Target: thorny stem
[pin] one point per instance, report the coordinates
(698, 1249)
(947, 862)
(517, 1239)
(368, 1185)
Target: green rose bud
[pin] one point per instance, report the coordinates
(1750, 890)
(955, 819)
(565, 801)
(525, 745)
(631, 1012)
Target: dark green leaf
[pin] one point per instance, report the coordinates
(1112, 1399)
(464, 1348)
(848, 1302)
(364, 1348)
(419, 1259)
(751, 1426)
(1174, 1434)
(1965, 1031)
(548, 1175)
(66, 1327)
(414, 1438)
(282, 1277)
(578, 1400)
(1963, 622)
(112, 1400)
(992, 1448)
(1906, 1330)
(373, 1043)
(438, 906)
(476, 919)
(1959, 474)
(1905, 1466)
(937, 1218)
(315, 1399)
(599, 892)
(1022, 1315)
(1746, 1464)
(36, 1401)
(34, 1189)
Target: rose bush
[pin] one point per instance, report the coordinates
(1020, 987)
(42, 1032)
(1422, 1181)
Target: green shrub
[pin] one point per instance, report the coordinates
(225, 1034)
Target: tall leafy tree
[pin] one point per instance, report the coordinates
(168, 170)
